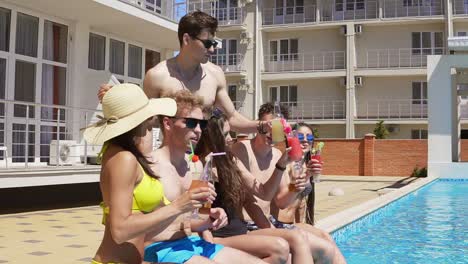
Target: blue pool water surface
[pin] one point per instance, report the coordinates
(429, 225)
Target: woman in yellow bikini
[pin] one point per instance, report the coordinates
(133, 197)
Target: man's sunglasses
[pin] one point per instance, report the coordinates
(193, 122)
(208, 42)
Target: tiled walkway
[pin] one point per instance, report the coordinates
(73, 235)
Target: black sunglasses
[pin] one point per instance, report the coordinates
(208, 42)
(193, 122)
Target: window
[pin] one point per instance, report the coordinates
(419, 3)
(3, 72)
(153, 5)
(289, 7)
(55, 42)
(427, 43)
(418, 133)
(97, 52)
(117, 56)
(462, 34)
(232, 91)
(225, 9)
(134, 61)
(151, 59)
(419, 93)
(349, 5)
(284, 94)
(227, 55)
(25, 87)
(27, 31)
(286, 50)
(5, 16)
(53, 91)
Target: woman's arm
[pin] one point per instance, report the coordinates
(120, 174)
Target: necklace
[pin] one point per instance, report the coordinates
(179, 71)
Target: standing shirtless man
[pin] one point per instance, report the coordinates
(191, 70)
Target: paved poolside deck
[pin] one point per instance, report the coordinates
(73, 235)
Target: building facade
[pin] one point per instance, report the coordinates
(54, 54)
(340, 65)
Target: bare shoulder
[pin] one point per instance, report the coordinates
(155, 78)
(120, 161)
(214, 70)
(241, 150)
(158, 71)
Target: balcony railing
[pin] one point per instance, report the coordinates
(323, 61)
(229, 62)
(44, 135)
(398, 58)
(225, 16)
(399, 8)
(166, 8)
(353, 10)
(316, 110)
(392, 109)
(460, 7)
(289, 15)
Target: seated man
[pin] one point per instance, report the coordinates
(259, 156)
(176, 242)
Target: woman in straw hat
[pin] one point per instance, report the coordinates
(133, 198)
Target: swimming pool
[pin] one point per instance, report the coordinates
(429, 225)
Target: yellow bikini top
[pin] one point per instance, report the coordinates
(147, 195)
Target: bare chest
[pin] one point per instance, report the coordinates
(173, 183)
(205, 87)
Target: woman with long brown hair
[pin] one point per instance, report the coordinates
(232, 182)
(133, 198)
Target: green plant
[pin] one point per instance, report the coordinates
(417, 172)
(380, 131)
(315, 133)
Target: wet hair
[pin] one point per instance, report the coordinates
(194, 22)
(229, 175)
(185, 100)
(269, 108)
(127, 142)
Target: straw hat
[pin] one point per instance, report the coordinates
(125, 106)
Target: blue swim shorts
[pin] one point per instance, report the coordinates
(181, 250)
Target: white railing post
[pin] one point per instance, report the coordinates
(57, 141)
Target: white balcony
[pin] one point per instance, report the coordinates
(460, 7)
(398, 58)
(289, 15)
(353, 10)
(226, 16)
(399, 109)
(166, 8)
(420, 8)
(300, 62)
(464, 110)
(229, 62)
(316, 110)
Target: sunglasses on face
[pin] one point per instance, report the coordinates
(193, 122)
(305, 137)
(208, 42)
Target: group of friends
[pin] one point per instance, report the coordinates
(148, 201)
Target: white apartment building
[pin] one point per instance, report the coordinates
(341, 65)
(54, 54)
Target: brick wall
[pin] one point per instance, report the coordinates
(370, 156)
(464, 150)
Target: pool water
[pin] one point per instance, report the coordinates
(429, 225)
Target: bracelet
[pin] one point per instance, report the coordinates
(278, 167)
(260, 128)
